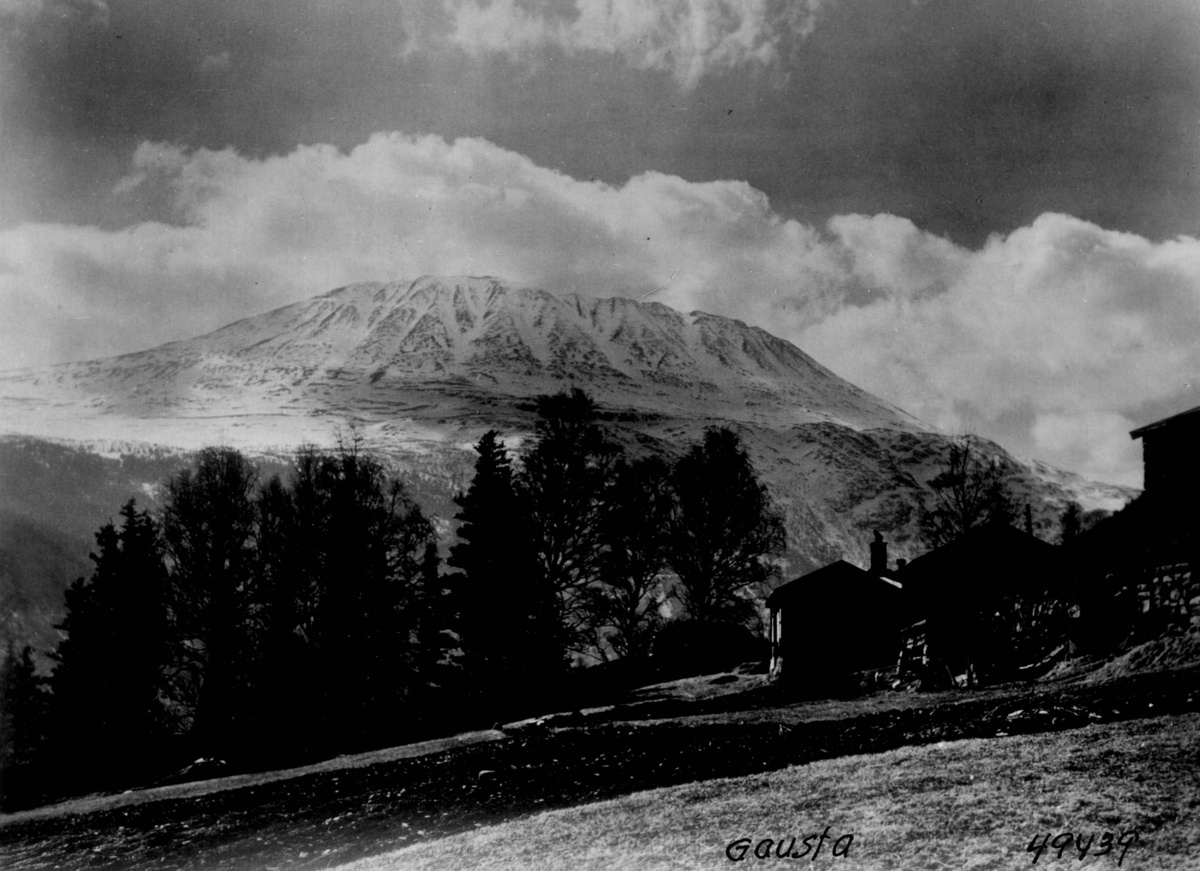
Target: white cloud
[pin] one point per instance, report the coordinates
(1096, 440)
(1051, 339)
(890, 254)
(1063, 322)
(688, 38)
(256, 233)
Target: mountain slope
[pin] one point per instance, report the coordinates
(381, 347)
(422, 369)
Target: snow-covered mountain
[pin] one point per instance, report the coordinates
(421, 369)
(393, 349)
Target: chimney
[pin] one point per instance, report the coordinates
(878, 555)
(901, 563)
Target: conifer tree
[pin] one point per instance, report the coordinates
(109, 679)
(496, 614)
(435, 637)
(23, 724)
(486, 521)
(1072, 522)
(482, 555)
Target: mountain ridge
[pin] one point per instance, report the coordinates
(375, 338)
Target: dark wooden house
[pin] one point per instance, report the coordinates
(1139, 570)
(833, 621)
(989, 601)
(1171, 461)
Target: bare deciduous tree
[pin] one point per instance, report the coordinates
(968, 493)
(722, 529)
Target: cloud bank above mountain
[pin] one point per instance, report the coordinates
(1053, 338)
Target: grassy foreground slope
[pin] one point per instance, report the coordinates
(350, 808)
(975, 804)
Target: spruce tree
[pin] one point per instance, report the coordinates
(501, 627)
(109, 681)
(1072, 522)
(481, 557)
(485, 512)
(23, 724)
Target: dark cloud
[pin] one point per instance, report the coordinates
(967, 117)
(972, 118)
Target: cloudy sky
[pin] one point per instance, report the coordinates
(987, 213)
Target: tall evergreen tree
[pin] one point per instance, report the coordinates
(500, 620)
(23, 724)
(486, 521)
(109, 679)
(1072, 522)
(435, 636)
(483, 580)
(209, 524)
(722, 530)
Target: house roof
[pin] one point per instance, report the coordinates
(994, 546)
(838, 577)
(1166, 421)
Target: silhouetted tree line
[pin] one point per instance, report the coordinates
(252, 623)
(255, 623)
(572, 552)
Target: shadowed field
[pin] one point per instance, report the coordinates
(359, 807)
(963, 804)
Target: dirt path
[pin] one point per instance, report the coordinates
(332, 815)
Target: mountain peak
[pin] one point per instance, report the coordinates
(371, 345)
